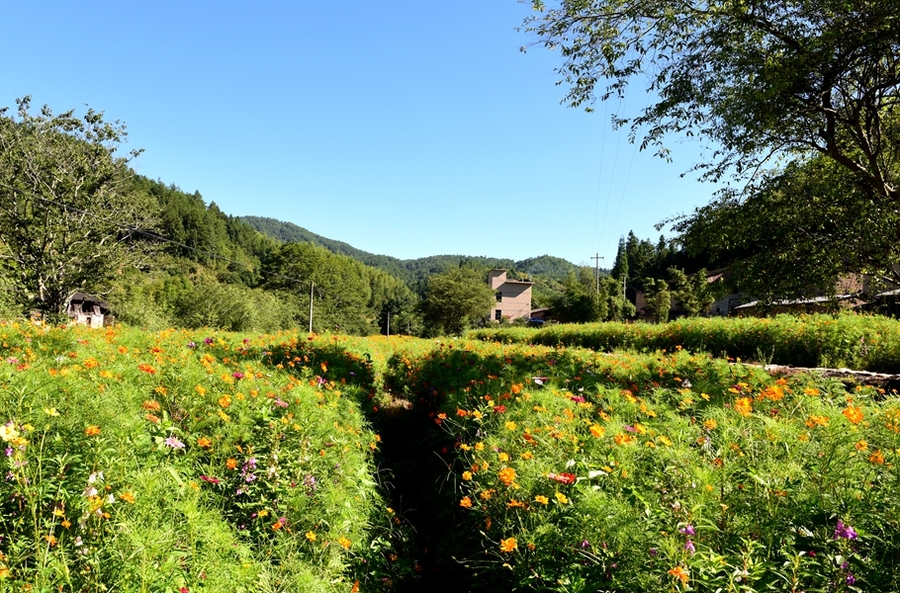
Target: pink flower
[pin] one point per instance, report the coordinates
(173, 442)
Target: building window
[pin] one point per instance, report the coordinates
(498, 314)
(499, 296)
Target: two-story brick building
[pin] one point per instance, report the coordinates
(513, 297)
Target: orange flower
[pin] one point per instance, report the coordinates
(345, 543)
(466, 476)
(204, 443)
(465, 502)
(816, 420)
(680, 574)
(152, 418)
(92, 430)
(743, 407)
(861, 445)
(812, 392)
(507, 475)
(597, 430)
(508, 545)
(710, 424)
(147, 368)
(231, 463)
(623, 439)
(151, 405)
(877, 457)
(127, 497)
(853, 414)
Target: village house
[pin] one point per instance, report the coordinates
(86, 309)
(513, 297)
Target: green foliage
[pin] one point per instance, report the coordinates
(157, 462)
(795, 233)
(341, 291)
(693, 294)
(659, 299)
(456, 300)
(756, 78)
(864, 342)
(573, 470)
(68, 220)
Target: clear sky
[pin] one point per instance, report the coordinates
(403, 127)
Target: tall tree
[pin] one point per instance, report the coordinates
(456, 300)
(757, 77)
(794, 233)
(67, 221)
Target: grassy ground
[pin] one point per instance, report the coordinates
(175, 461)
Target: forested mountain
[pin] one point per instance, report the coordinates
(415, 271)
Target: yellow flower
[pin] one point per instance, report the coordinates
(562, 498)
(127, 497)
(597, 430)
(710, 424)
(541, 499)
(502, 456)
(508, 545)
(51, 411)
(861, 445)
(311, 536)
(526, 455)
(479, 446)
(511, 425)
(466, 476)
(345, 543)
(811, 391)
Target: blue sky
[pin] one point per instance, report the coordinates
(402, 127)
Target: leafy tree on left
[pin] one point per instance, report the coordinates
(67, 221)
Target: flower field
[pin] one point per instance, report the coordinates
(190, 461)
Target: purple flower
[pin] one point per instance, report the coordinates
(9, 451)
(843, 531)
(688, 530)
(192, 345)
(173, 442)
(577, 398)
(630, 428)
(851, 580)
(237, 375)
(208, 341)
(653, 552)
(585, 544)
(689, 546)
(280, 403)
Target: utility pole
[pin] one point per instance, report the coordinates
(597, 259)
(311, 285)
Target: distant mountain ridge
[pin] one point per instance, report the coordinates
(413, 271)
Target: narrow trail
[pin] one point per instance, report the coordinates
(418, 475)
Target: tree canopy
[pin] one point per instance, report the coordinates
(68, 221)
(456, 300)
(757, 77)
